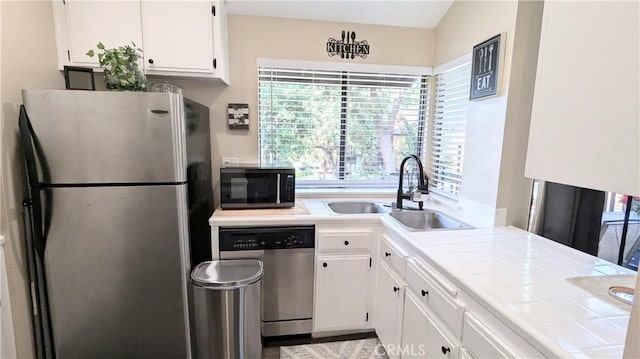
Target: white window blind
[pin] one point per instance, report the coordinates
(340, 128)
(448, 130)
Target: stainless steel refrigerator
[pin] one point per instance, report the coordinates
(120, 194)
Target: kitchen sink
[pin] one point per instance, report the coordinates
(427, 220)
(356, 207)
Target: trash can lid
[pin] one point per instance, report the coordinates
(227, 274)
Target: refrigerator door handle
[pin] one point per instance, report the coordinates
(28, 142)
(26, 132)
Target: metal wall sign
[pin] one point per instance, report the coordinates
(485, 68)
(347, 46)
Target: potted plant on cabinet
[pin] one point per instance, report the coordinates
(121, 69)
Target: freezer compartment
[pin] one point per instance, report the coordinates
(116, 263)
(108, 137)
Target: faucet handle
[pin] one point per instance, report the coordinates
(419, 196)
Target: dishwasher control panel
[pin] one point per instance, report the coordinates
(261, 238)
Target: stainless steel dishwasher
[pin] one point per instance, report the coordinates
(287, 285)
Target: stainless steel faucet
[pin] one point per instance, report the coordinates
(423, 187)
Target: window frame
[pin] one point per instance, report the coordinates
(424, 72)
(427, 123)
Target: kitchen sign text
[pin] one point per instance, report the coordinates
(347, 46)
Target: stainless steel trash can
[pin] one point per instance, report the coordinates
(226, 298)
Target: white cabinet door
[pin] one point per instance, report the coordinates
(423, 336)
(389, 308)
(585, 120)
(81, 24)
(220, 41)
(341, 292)
(177, 36)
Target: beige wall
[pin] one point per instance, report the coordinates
(514, 189)
(495, 126)
(252, 37)
(28, 61)
(468, 23)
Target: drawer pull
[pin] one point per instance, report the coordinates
(395, 289)
(424, 293)
(387, 254)
(346, 243)
(445, 350)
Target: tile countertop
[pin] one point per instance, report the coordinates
(520, 277)
(523, 279)
(318, 213)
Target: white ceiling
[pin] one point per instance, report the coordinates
(416, 13)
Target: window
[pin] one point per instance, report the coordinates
(448, 130)
(340, 128)
(353, 128)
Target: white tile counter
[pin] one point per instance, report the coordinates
(522, 279)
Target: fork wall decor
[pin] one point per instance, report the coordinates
(347, 47)
(485, 70)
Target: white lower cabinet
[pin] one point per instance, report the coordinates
(422, 334)
(389, 308)
(436, 319)
(482, 342)
(342, 291)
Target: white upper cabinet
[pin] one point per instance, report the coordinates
(585, 121)
(185, 38)
(81, 24)
(220, 41)
(178, 38)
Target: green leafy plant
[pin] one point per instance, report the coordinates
(121, 70)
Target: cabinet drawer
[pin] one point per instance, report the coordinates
(435, 296)
(394, 256)
(328, 241)
(423, 335)
(482, 342)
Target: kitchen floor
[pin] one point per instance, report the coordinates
(271, 347)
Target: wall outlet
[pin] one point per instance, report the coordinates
(230, 161)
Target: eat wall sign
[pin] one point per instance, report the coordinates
(485, 69)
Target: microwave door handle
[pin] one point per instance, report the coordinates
(278, 188)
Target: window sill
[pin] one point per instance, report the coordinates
(344, 192)
(368, 192)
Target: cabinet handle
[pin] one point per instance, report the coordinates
(395, 289)
(424, 293)
(151, 61)
(445, 350)
(346, 243)
(387, 254)
(324, 264)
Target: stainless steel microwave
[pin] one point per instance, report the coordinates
(257, 187)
